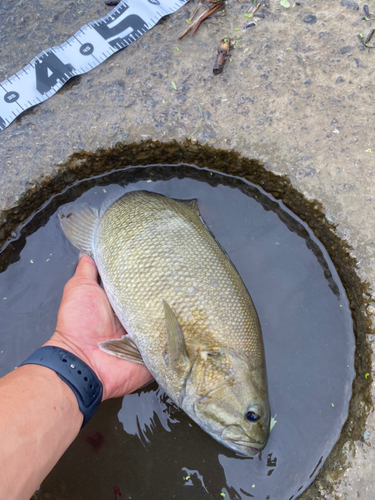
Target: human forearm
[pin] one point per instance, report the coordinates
(39, 419)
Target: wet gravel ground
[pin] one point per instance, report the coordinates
(297, 94)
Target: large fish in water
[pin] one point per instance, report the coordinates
(189, 318)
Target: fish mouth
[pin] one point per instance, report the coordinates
(245, 448)
(235, 438)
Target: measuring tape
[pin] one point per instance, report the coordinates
(89, 47)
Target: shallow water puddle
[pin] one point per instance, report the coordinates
(143, 446)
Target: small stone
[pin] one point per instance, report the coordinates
(339, 79)
(122, 137)
(53, 18)
(349, 4)
(309, 19)
(366, 435)
(346, 49)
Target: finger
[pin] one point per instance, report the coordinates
(80, 255)
(86, 268)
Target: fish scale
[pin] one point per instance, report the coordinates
(188, 241)
(157, 259)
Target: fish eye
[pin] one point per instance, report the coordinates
(252, 416)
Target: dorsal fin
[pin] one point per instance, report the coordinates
(111, 198)
(191, 204)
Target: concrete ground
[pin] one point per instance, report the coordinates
(297, 95)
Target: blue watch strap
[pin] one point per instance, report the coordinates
(75, 373)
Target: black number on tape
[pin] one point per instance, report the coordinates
(49, 73)
(11, 97)
(133, 21)
(49, 70)
(86, 49)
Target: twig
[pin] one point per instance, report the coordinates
(193, 24)
(256, 8)
(184, 80)
(368, 38)
(185, 32)
(200, 20)
(196, 10)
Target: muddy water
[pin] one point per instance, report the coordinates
(143, 446)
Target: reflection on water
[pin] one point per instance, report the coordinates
(193, 477)
(143, 446)
(146, 408)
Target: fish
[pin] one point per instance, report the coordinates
(187, 313)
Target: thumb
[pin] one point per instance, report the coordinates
(86, 268)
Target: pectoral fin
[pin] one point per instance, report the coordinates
(123, 348)
(177, 353)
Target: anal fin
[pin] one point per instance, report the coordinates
(124, 348)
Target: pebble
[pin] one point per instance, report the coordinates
(366, 435)
(309, 19)
(349, 4)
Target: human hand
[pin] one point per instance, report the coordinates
(85, 318)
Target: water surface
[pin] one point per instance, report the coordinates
(143, 446)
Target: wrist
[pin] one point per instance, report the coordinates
(74, 372)
(48, 382)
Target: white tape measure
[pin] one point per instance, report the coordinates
(90, 46)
